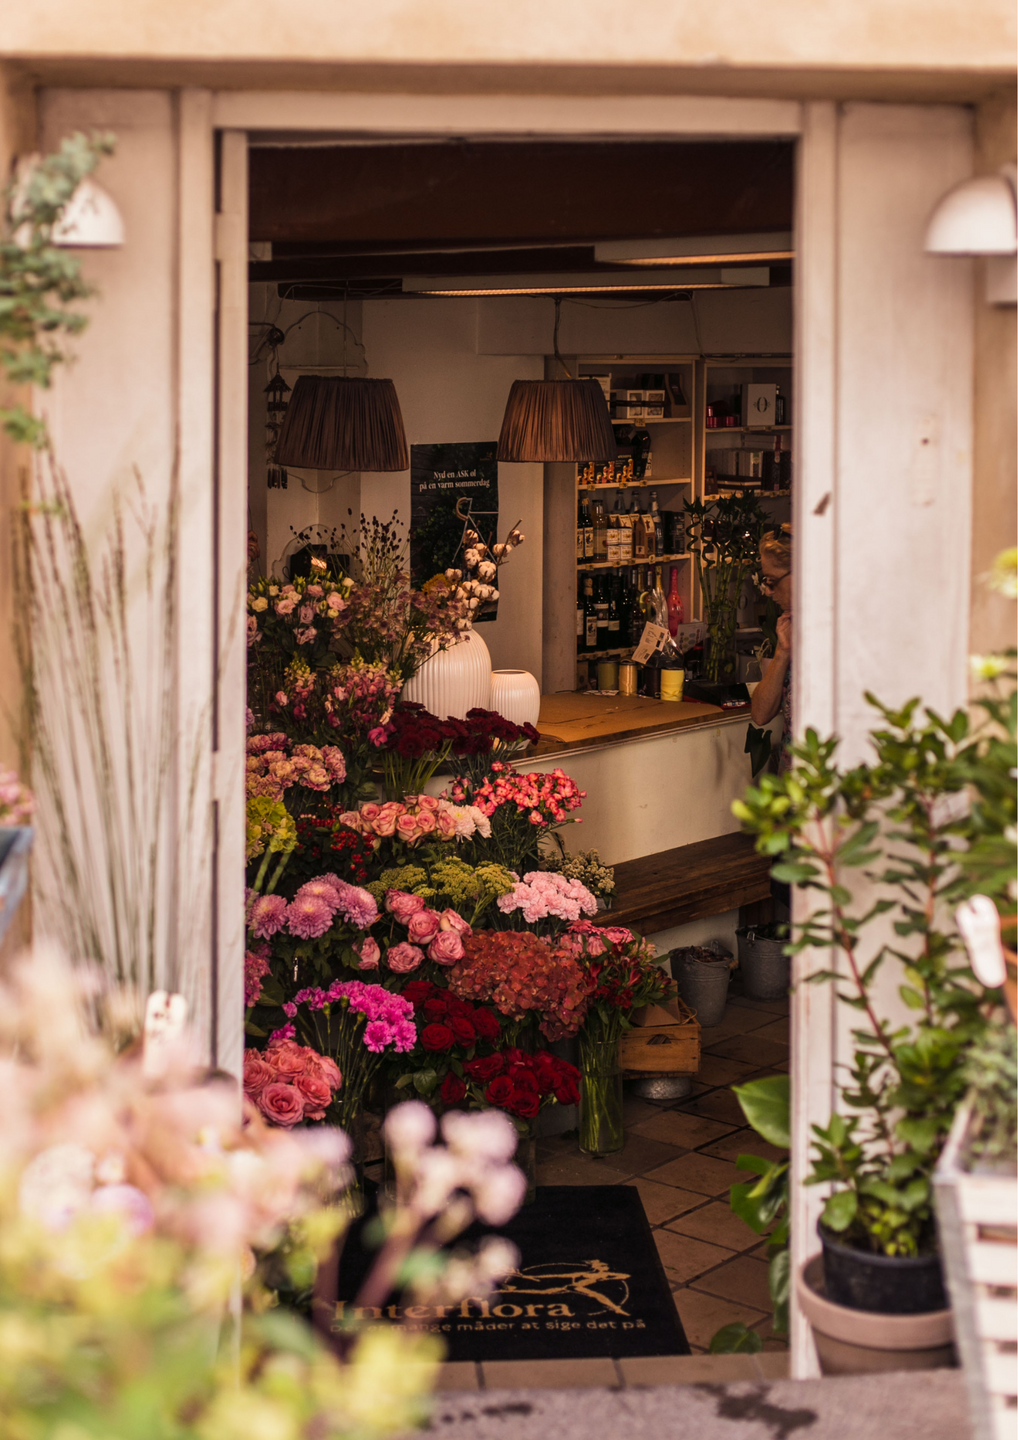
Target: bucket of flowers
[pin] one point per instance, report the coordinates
(620, 971)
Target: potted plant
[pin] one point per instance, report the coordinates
(723, 535)
(900, 821)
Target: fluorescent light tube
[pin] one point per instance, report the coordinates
(696, 249)
(600, 281)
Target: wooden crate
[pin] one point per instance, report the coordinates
(662, 1049)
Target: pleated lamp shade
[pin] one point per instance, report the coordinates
(556, 420)
(339, 422)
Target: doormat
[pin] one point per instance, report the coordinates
(589, 1283)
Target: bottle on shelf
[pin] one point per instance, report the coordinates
(588, 530)
(659, 529)
(589, 615)
(625, 532)
(660, 601)
(614, 536)
(601, 608)
(641, 547)
(674, 603)
(780, 407)
(600, 532)
(579, 528)
(581, 639)
(614, 621)
(641, 455)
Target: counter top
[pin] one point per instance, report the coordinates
(580, 720)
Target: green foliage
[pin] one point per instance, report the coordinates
(39, 282)
(736, 1339)
(929, 820)
(991, 1074)
(723, 535)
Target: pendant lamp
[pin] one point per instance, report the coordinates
(548, 420)
(557, 420)
(338, 422)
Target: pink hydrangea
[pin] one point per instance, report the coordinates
(543, 894)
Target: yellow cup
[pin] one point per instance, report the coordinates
(672, 682)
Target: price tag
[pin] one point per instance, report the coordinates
(653, 637)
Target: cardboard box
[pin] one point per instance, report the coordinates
(669, 1012)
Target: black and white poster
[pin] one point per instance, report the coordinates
(440, 476)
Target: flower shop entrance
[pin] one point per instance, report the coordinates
(882, 499)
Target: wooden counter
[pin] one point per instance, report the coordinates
(578, 721)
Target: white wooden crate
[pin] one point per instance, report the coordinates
(978, 1220)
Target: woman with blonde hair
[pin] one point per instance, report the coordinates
(774, 691)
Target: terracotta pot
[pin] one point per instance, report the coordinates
(863, 1342)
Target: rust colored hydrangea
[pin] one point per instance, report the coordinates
(522, 975)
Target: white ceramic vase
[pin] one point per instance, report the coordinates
(454, 681)
(516, 695)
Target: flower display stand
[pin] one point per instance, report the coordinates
(976, 1214)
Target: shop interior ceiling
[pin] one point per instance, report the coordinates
(354, 217)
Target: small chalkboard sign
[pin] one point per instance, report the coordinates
(440, 475)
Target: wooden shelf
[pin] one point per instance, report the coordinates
(633, 484)
(624, 564)
(745, 430)
(657, 420)
(752, 490)
(605, 654)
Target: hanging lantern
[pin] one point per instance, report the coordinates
(277, 399)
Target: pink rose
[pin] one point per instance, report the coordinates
(451, 921)
(403, 906)
(423, 926)
(257, 1074)
(317, 1095)
(406, 827)
(287, 1060)
(426, 822)
(369, 954)
(350, 819)
(446, 825)
(393, 808)
(446, 948)
(281, 1104)
(307, 614)
(329, 1071)
(370, 810)
(334, 601)
(384, 824)
(427, 802)
(403, 958)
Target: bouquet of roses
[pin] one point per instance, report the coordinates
(417, 743)
(289, 1083)
(545, 899)
(525, 978)
(451, 1033)
(355, 1024)
(441, 931)
(275, 765)
(519, 1082)
(520, 809)
(415, 819)
(448, 884)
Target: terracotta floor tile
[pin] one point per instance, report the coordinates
(698, 1172)
(717, 1224)
(684, 1259)
(703, 1315)
(586, 1374)
(779, 1030)
(743, 1142)
(634, 1109)
(579, 1170)
(664, 1202)
(743, 1280)
(642, 1153)
(750, 1050)
(716, 1071)
(715, 1105)
(675, 1127)
(772, 1007)
(737, 1020)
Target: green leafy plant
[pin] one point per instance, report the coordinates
(723, 535)
(916, 821)
(991, 1074)
(763, 1203)
(39, 282)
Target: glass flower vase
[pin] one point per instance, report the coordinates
(526, 1160)
(601, 1125)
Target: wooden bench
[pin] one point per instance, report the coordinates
(689, 883)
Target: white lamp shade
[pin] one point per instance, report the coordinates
(977, 217)
(454, 681)
(90, 221)
(516, 695)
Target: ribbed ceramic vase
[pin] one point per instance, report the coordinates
(516, 695)
(454, 681)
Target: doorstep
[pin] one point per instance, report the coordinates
(912, 1406)
(600, 1372)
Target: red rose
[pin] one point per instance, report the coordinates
(546, 1068)
(437, 1037)
(500, 1092)
(436, 1005)
(281, 1104)
(486, 1025)
(453, 1089)
(525, 1103)
(567, 1091)
(417, 991)
(462, 1029)
(484, 1068)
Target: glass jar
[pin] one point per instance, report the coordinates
(601, 1124)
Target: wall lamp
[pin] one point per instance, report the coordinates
(980, 217)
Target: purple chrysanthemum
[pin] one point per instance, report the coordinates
(321, 889)
(268, 914)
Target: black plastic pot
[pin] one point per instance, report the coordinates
(886, 1284)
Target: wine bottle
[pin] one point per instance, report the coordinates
(589, 615)
(600, 532)
(640, 536)
(674, 603)
(588, 530)
(580, 636)
(614, 536)
(579, 528)
(659, 529)
(614, 624)
(601, 605)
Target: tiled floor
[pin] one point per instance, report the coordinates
(680, 1156)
